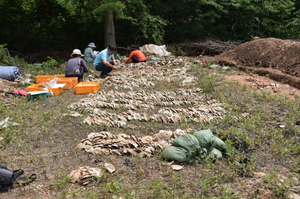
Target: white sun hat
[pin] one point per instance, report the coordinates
(76, 52)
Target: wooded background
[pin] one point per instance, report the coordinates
(30, 26)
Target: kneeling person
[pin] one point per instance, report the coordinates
(105, 61)
(135, 55)
(76, 66)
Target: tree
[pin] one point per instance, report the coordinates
(223, 19)
(144, 25)
(109, 28)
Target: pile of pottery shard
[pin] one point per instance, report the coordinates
(123, 144)
(117, 109)
(85, 175)
(145, 74)
(132, 98)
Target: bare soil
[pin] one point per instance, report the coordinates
(278, 59)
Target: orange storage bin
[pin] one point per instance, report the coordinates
(43, 78)
(68, 82)
(87, 87)
(60, 76)
(58, 89)
(36, 87)
(74, 79)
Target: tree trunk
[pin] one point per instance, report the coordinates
(109, 29)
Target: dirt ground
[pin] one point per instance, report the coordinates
(7, 86)
(271, 64)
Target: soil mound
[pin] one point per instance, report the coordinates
(277, 58)
(268, 53)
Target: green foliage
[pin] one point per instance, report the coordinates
(150, 28)
(2, 52)
(227, 20)
(27, 27)
(113, 187)
(280, 187)
(91, 194)
(61, 183)
(116, 6)
(208, 84)
(51, 66)
(293, 26)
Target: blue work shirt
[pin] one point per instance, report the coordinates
(103, 55)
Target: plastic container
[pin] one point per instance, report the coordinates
(75, 79)
(58, 89)
(43, 78)
(60, 76)
(69, 83)
(87, 87)
(36, 87)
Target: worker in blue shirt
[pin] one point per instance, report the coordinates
(105, 61)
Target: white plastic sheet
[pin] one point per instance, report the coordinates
(154, 49)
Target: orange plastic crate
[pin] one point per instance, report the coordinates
(69, 83)
(43, 78)
(74, 79)
(36, 87)
(60, 76)
(87, 87)
(57, 90)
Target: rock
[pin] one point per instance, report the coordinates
(214, 66)
(177, 167)
(259, 174)
(110, 167)
(294, 196)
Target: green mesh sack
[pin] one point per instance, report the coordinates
(215, 154)
(186, 141)
(177, 154)
(205, 139)
(202, 153)
(220, 145)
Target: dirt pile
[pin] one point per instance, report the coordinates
(276, 58)
(268, 53)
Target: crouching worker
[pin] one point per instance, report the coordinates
(135, 55)
(76, 66)
(105, 61)
(89, 55)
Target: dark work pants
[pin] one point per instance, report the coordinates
(80, 76)
(136, 60)
(103, 68)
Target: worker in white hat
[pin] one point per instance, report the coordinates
(76, 66)
(89, 53)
